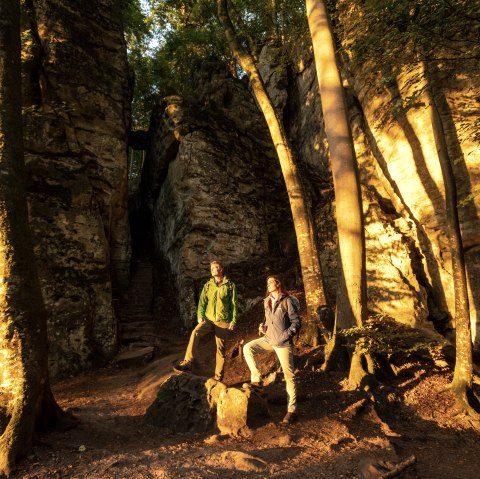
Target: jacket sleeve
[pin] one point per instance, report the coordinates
(202, 304)
(294, 319)
(234, 304)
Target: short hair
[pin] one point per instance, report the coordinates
(215, 261)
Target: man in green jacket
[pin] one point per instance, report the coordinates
(217, 312)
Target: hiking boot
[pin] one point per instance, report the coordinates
(183, 367)
(289, 418)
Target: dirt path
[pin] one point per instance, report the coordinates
(337, 431)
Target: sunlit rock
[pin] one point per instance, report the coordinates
(408, 262)
(240, 409)
(186, 402)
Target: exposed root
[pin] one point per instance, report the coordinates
(467, 403)
(361, 373)
(336, 357)
(315, 358)
(401, 466)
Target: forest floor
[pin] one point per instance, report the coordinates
(339, 431)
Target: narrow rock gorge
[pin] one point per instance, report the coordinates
(213, 189)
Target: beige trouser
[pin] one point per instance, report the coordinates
(203, 329)
(285, 356)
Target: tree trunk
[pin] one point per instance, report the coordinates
(23, 337)
(462, 379)
(352, 290)
(307, 247)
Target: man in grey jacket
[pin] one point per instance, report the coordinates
(282, 323)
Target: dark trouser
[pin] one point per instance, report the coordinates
(221, 333)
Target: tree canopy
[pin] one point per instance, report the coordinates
(168, 40)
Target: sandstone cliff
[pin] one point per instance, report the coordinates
(408, 259)
(214, 190)
(211, 186)
(196, 156)
(76, 111)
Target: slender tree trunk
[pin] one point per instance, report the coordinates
(275, 29)
(462, 379)
(23, 338)
(307, 247)
(352, 297)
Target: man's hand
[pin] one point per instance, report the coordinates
(231, 326)
(201, 320)
(261, 329)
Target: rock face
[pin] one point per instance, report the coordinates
(76, 100)
(408, 259)
(405, 174)
(393, 286)
(214, 150)
(214, 189)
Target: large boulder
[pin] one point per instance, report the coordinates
(184, 403)
(191, 403)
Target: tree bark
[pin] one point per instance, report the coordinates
(307, 247)
(462, 383)
(23, 337)
(352, 291)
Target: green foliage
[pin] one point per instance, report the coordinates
(181, 53)
(172, 15)
(383, 335)
(138, 35)
(167, 44)
(281, 22)
(399, 32)
(136, 24)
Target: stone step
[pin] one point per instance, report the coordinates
(135, 357)
(144, 288)
(142, 326)
(139, 335)
(139, 345)
(138, 316)
(138, 308)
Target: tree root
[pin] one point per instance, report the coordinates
(315, 358)
(400, 467)
(467, 402)
(362, 370)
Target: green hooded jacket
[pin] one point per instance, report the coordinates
(218, 303)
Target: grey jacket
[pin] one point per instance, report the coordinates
(281, 325)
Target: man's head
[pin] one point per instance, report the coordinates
(216, 268)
